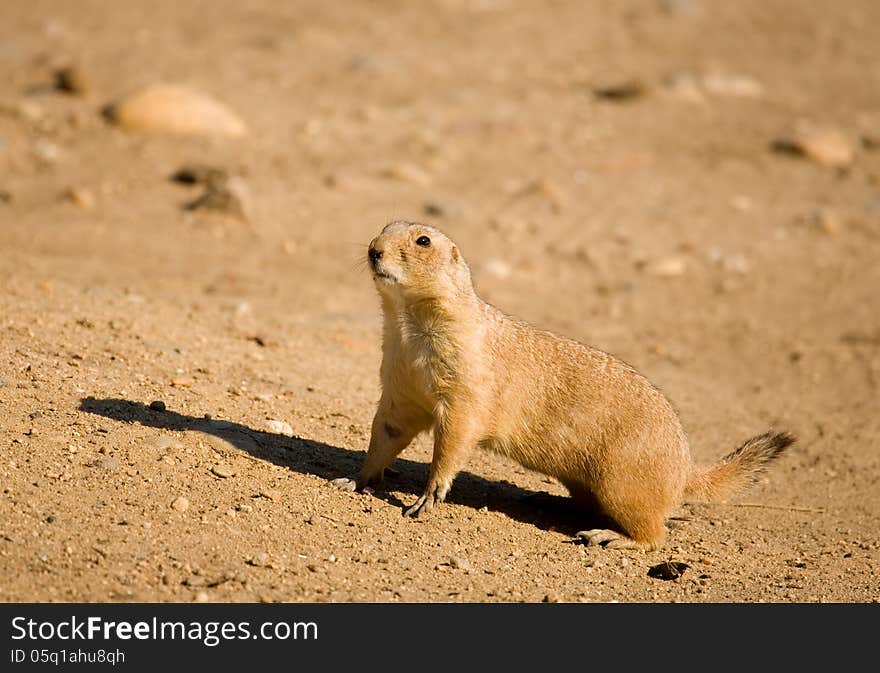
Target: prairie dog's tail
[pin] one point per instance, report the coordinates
(738, 469)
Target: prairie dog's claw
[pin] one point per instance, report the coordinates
(423, 505)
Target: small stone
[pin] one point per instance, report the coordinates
(157, 405)
(180, 504)
(736, 263)
(825, 145)
(223, 471)
(279, 427)
(550, 598)
(175, 110)
(684, 87)
(71, 79)
(742, 203)
(733, 86)
(182, 382)
(620, 90)
(496, 267)
(442, 209)
(202, 597)
(51, 518)
(230, 196)
(681, 7)
(81, 197)
(668, 570)
(260, 560)
(668, 267)
(271, 494)
(106, 463)
(406, 172)
(26, 110)
(200, 174)
(46, 152)
(825, 220)
(460, 563)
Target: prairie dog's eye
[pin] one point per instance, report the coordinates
(423, 241)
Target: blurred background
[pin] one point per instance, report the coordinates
(187, 190)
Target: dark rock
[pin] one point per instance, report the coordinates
(668, 570)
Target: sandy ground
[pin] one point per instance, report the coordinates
(607, 169)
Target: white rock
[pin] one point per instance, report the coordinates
(497, 267)
(734, 86)
(180, 504)
(223, 470)
(279, 427)
(173, 109)
(825, 145)
(668, 267)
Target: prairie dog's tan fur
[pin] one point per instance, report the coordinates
(457, 365)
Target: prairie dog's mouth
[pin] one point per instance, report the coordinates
(384, 275)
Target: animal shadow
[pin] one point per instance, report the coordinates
(308, 456)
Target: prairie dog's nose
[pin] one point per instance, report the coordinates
(374, 255)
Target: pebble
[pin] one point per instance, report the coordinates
(47, 152)
(681, 7)
(260, 559)
(668, 570)
(71, 79)
(825, 145)
(223, 470)
(736, 263)
(619, 91)
(496, 267)
(271, 494)
(182, 383)
(407, 172)
(106, 463)
(667, 267)
(230, 196)
(825, 220)
(176, 110)
(733, 86)
(202, 597)
(158, 405)
(180, 504)
(683, 86)
(26, 110)
(442, 209)
(550, 598)
(199, 174)
(279, 427)
(163, 443)
(460, 563)
(81, 197)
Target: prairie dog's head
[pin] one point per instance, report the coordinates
(412, 260)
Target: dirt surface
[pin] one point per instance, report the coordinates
(628, 174)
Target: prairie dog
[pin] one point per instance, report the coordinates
(456, 365)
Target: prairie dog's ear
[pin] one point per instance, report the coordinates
(454, 253)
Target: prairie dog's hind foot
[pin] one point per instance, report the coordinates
(432, 496)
